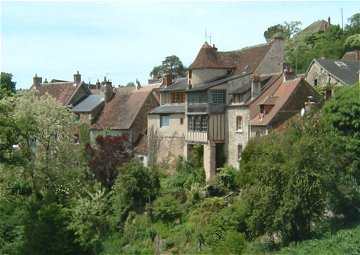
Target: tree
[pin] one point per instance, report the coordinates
(109, 153)
(171, 64)
(7, 86)
(352, 42)
(135, 186)
(354, 26)
(286, 30)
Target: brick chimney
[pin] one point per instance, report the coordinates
(77, 78)
(255, 86)
(37, 81)
(167, 79)
(109, 91)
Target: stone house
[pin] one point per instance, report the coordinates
(125, 112)
(66, 93)
(105, 109)
(224, 95)
(328, 73)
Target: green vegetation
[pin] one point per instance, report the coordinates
(301, 47)
(170, 65)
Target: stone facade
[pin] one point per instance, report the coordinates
(170, 138)
(202, 75)
(237, 138)
(318, 76)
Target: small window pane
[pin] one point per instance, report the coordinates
(164, 120)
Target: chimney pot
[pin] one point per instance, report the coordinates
(77, 78)
(37, 80)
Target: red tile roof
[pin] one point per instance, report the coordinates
(61, 91)
(120, 112)
(243, 60)
(277, 95)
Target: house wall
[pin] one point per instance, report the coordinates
(273, 60)
(202, 75)
(235, 137)
(171, 139)
(322, 76)
(257, 131)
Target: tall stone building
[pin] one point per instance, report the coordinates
(227, 98)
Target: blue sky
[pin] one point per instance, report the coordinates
(125, 40)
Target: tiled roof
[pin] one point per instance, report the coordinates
(61, 91)
(315, 27)
(243, 61)
(345, 71)
(352, 55)
(179, 84)
(278, 95)
(89, 103)
(164, 109)
(121, 111)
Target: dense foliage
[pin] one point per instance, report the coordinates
(170, 65)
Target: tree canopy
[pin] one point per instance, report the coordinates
(171, 64)
(7, 86)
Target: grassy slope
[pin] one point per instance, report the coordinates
(343, 242)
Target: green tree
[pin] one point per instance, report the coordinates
(135, 186)
(286, 30)
(352, 42)
(7, 86)
(354, 24)
(171, 64)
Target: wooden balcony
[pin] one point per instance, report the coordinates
(196, 137)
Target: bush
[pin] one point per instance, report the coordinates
(134, 188)
(167, 208)
(352, 42)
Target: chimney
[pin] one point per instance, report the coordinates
(167, 79)
(288, 72)
(255, 86)
(329, 21)
(77, 78)
(109, 91)
(37, 81)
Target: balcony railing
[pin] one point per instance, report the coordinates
(196, 137)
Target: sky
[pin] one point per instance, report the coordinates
(124, 40)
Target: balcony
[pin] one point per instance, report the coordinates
(196, 137)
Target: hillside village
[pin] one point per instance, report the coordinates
(243, 154)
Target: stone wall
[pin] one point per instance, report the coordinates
(316, 72)
(170, 140)
(236, 137)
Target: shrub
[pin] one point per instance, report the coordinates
(134, 188)
(167, 208)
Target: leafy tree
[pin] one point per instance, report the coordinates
(109, 153)
(286, 30)
(135, 186)
(354, 24)
(90, 219)
(171, 64)
(352, 42)
(7, 86)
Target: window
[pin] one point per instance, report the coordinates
(164, 120)
(315, 82)
(217, 97)
(198, 123)
(240, 149)
(197, 98)
(177, 97)
(181, 121)
(239, 123)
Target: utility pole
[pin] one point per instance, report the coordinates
(342, 19)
